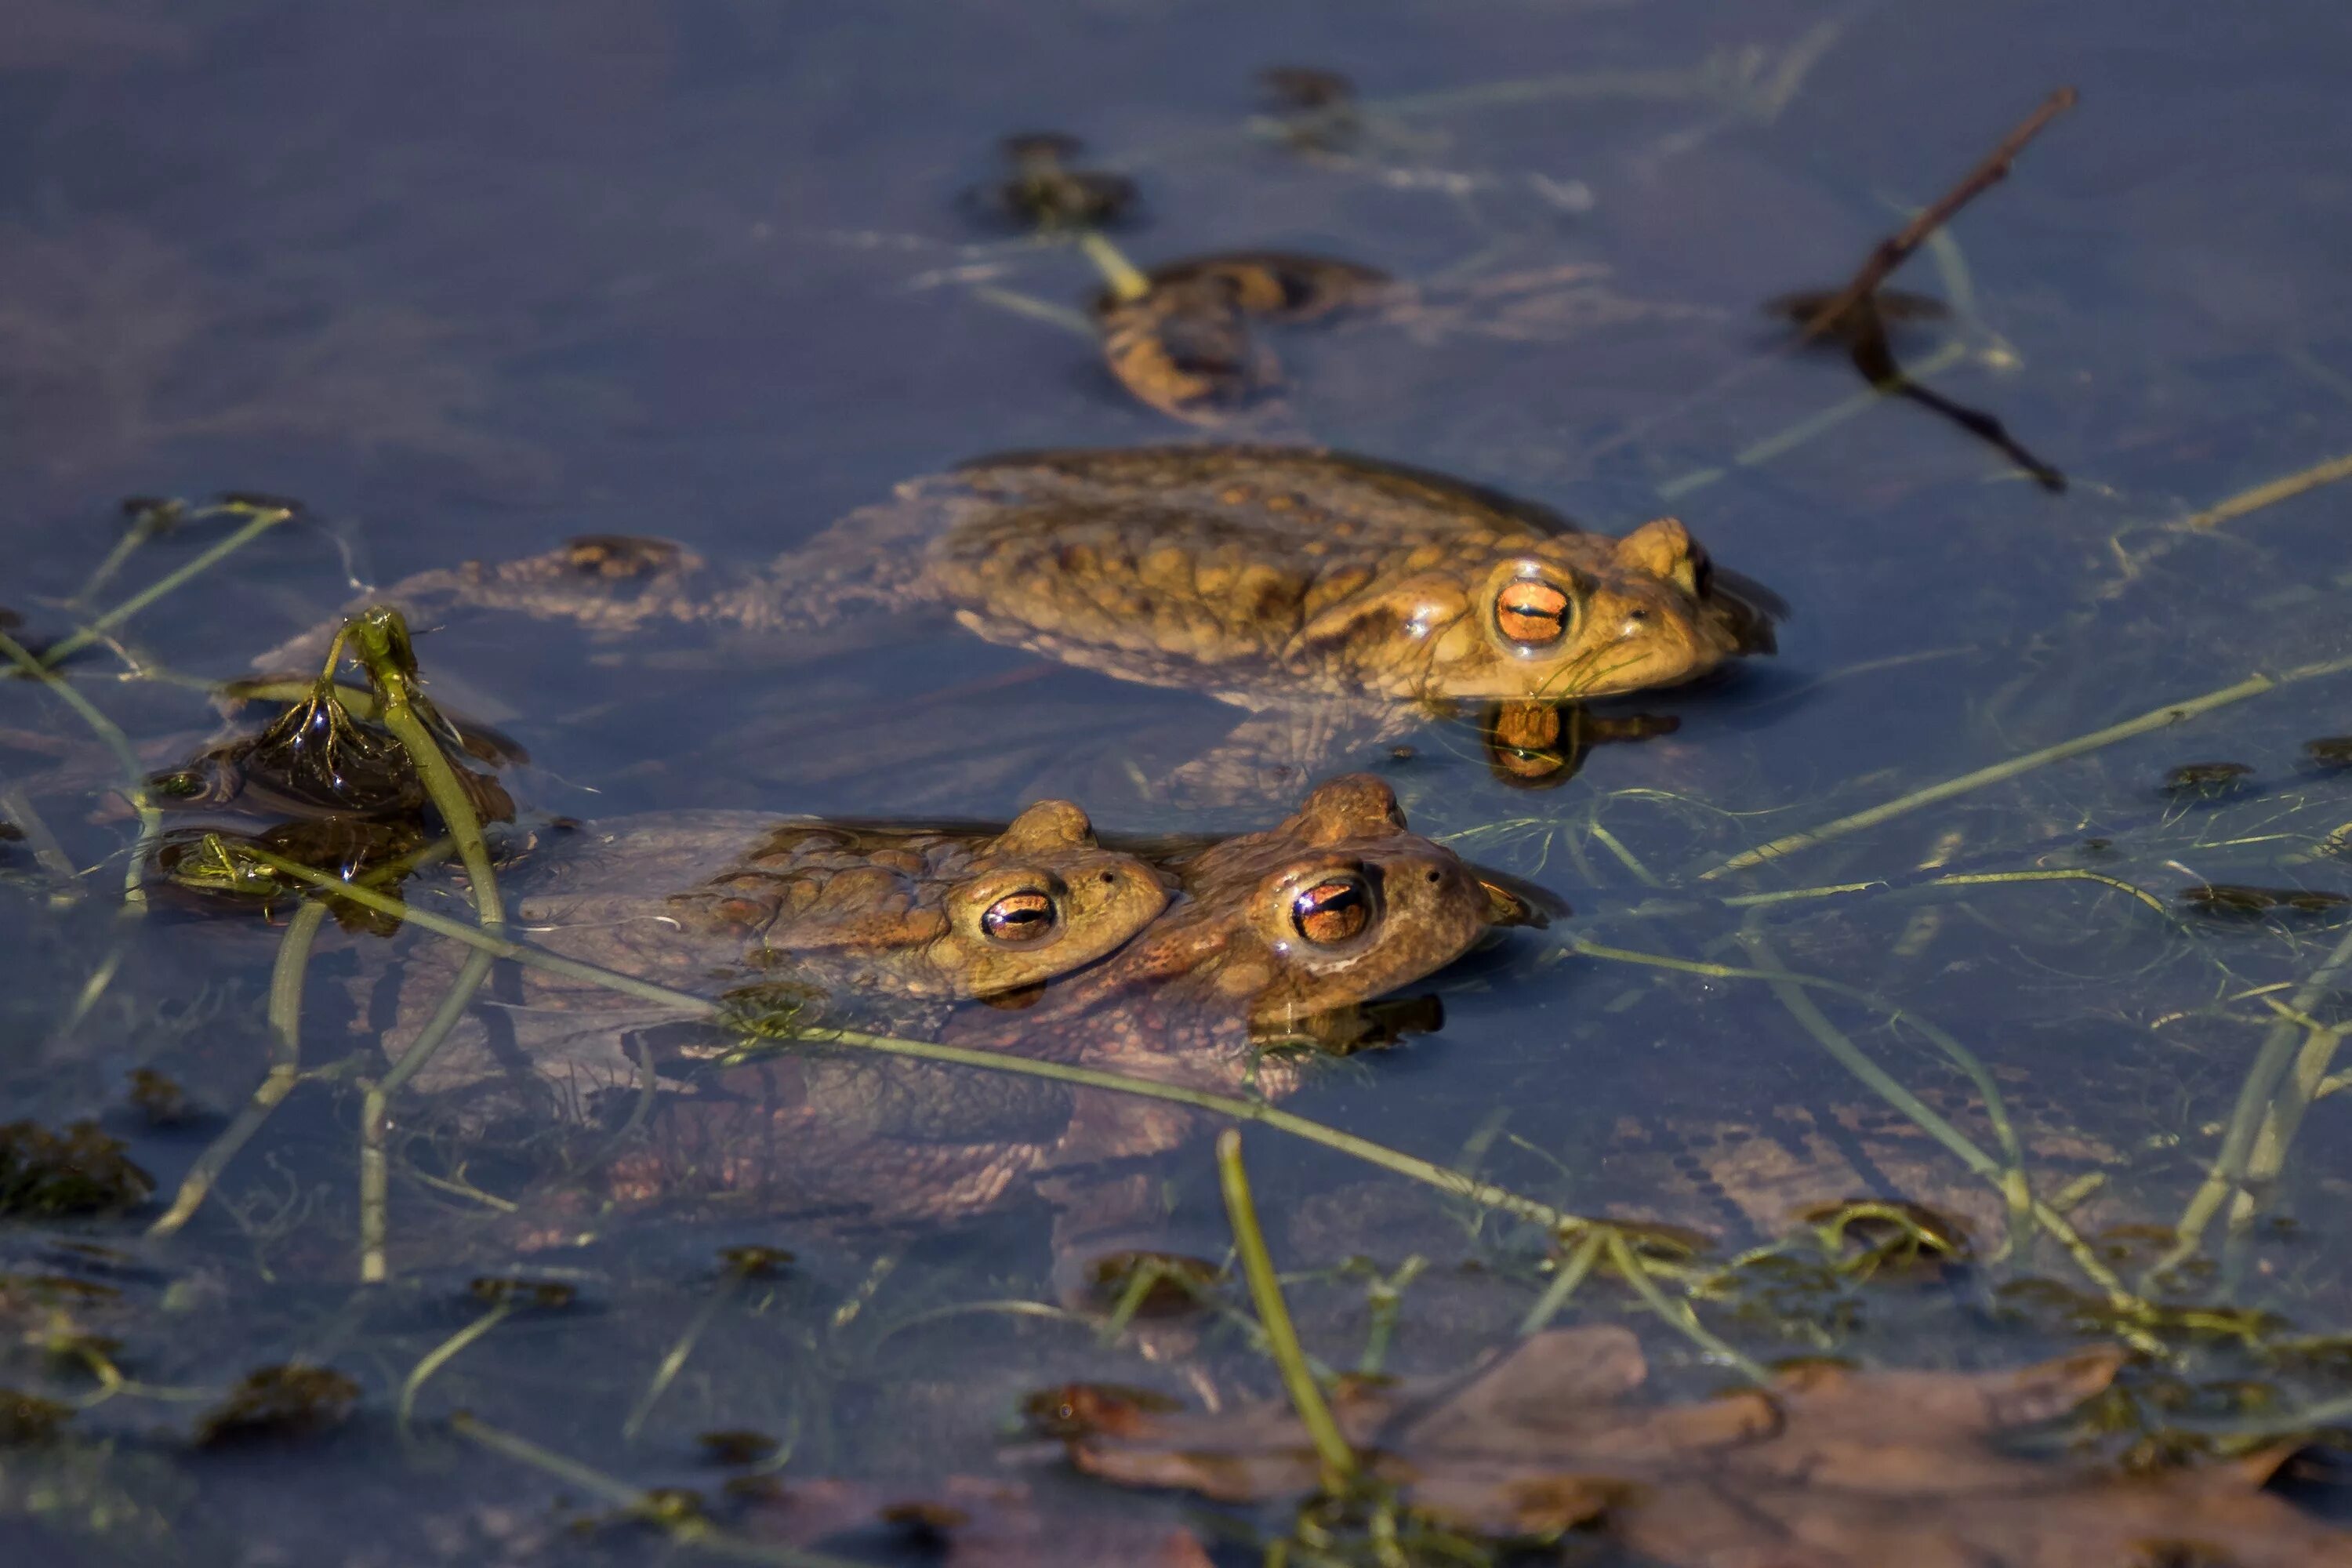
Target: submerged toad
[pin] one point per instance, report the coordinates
(1337, 596)
(867, 923)
(1273, 937)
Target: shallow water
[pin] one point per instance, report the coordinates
(469, 282)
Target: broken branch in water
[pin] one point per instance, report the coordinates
(1857, 315)
(1896, 248)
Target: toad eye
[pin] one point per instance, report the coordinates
(1017, 920)
(1333, 910)
(1532, 613)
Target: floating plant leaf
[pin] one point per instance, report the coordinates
(1316, 107)
(735, 1447)
(79, 1171)
(161, 1101)
(258, 500)
(755, 1262)
(279, 1402)
(1306, 87)
(1044, 192)
(156, 514)
(2205, 780)
(27, 1418)
(543, 1294)
(2237, 899)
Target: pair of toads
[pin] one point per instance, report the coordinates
(1329, 596)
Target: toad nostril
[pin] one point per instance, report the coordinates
(1108, 878)
(1437, 875)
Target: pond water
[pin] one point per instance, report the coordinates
(471, 282)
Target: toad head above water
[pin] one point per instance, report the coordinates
(1337, 905)
(930, 913)
(1256, 570)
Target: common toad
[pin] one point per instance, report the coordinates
(1271, 935)
(1336, 598)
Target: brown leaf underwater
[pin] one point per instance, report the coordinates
(1830, 1467)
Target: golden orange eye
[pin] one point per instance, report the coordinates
(1532, 612)
(1334, 910)
(1019, 919)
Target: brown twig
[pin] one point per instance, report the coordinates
(1897, 249)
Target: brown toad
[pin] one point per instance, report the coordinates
(1336, 598)
(1272, 936)
(858, 923)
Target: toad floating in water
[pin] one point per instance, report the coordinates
(1335, 597)
(1275, 936)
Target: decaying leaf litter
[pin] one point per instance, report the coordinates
(2277, 830)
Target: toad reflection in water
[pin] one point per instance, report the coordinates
(1339, 600)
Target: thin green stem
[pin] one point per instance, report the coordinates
(2062, 874)
(698, 1533)
(16, 806)
(375, 1107)
(1996, 1107)
(1571, 1273)
(675, 1362)
(1127, 284)
(2228, 1173)
(1387, 1299)
(260, 522)
(151, 821)
(2155, 719)
(1809, 427)
(151, 521)
(442, 1355)
(1676, 1313)
(2285, 1119)
(1800, 1006)
(379, 639)
(286, 977)
(358, 700)
(1274, 1315)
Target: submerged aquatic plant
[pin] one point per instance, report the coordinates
(1044, 192)
(278, 1403)
(27, 1418)
(82, 1170)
